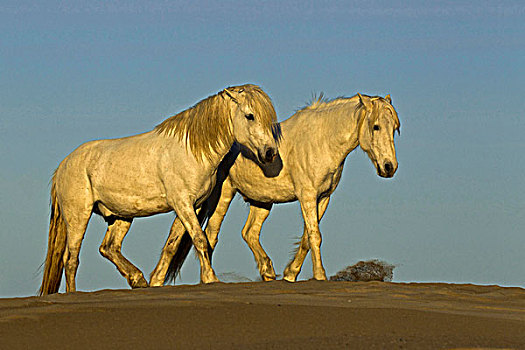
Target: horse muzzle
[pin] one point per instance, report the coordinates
(387, 170)
(268, 155)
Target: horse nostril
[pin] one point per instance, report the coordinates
(388, 167)
(268, 156)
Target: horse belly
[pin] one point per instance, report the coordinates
(130, 196)
(266, 190)
(132, 206)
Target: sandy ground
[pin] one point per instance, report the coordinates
(271, 315)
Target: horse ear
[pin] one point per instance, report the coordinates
(229, 93)
(365, 100)
(388, 98)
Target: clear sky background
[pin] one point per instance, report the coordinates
(74, 71)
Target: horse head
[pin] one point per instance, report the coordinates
(378, 123)
(253, 120)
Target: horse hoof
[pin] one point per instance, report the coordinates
(267, 278)
(140, 283)
(209, 280)
(156, 284)
(289, 278)
(156, 281)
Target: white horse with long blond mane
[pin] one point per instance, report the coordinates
(172, 167)
(316, 141)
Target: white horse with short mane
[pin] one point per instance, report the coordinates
(316, 141)
(172, 167)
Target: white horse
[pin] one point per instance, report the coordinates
(172, 167)
(316, 141)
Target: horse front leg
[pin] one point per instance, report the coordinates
(111, 249)
(294, 266)
(251, 233)
(187, 215)
(311, 216)
(158, 276)
(220, 206)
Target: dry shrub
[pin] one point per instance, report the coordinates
(365, 271)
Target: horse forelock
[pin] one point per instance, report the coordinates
(260, 102)
(380, 103)
(395, 117)
(262, 105)
(205, 127)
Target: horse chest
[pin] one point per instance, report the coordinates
(251, 182)
(205, 189)
(330, 181)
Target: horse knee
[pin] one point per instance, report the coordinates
(71, 265)
(103, 250)
(304, 244)
(200, 243)
(170, 247)
(249, 234)
(315, 239)
(245, 236)
(107, 250)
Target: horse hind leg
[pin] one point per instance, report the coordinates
(76, 228)
(251, 233)
(111, 249)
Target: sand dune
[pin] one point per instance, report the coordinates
(271, 315)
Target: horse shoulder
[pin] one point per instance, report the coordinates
(336, 177)
(183, 176)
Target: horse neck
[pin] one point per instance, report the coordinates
(205, 129)
(216, 157)
(344, 128)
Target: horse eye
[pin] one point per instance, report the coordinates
(249, 116)
(376, 127)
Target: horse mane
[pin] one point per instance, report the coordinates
(207, 127)
(321, 102)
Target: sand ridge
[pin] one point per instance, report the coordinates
(261, 315)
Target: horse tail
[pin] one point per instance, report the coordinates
(56, 246)
(185, 246)
(178, 259)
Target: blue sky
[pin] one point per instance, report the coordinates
(75, 71)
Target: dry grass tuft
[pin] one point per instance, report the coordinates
(365, 271)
